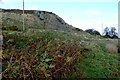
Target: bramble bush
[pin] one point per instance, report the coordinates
(38, 56)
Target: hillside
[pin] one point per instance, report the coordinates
(51, 49)
(34, 19)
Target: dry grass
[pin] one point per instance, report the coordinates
(111, 48)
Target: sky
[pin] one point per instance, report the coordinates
(83, 14)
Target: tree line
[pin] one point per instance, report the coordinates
(108, 32)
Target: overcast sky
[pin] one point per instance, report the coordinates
(83, 14)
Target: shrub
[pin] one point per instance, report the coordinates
(11, 28)
(77, 29)
(92, 31)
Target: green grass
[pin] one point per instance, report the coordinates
(101, 65)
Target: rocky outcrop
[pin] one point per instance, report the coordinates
(52, 20)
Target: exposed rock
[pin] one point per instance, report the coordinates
(52, 20)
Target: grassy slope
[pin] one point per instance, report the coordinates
(54, 54)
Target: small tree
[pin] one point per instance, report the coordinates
(113, 29)
(110, 32)
(106, 31)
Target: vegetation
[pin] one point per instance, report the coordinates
(48, 54)
(110, 32)
(92, 32)
(77, 29)
(12, 28)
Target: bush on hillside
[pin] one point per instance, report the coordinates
(92, 31)
(77, 29)
(11, 28)
(38, 56)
